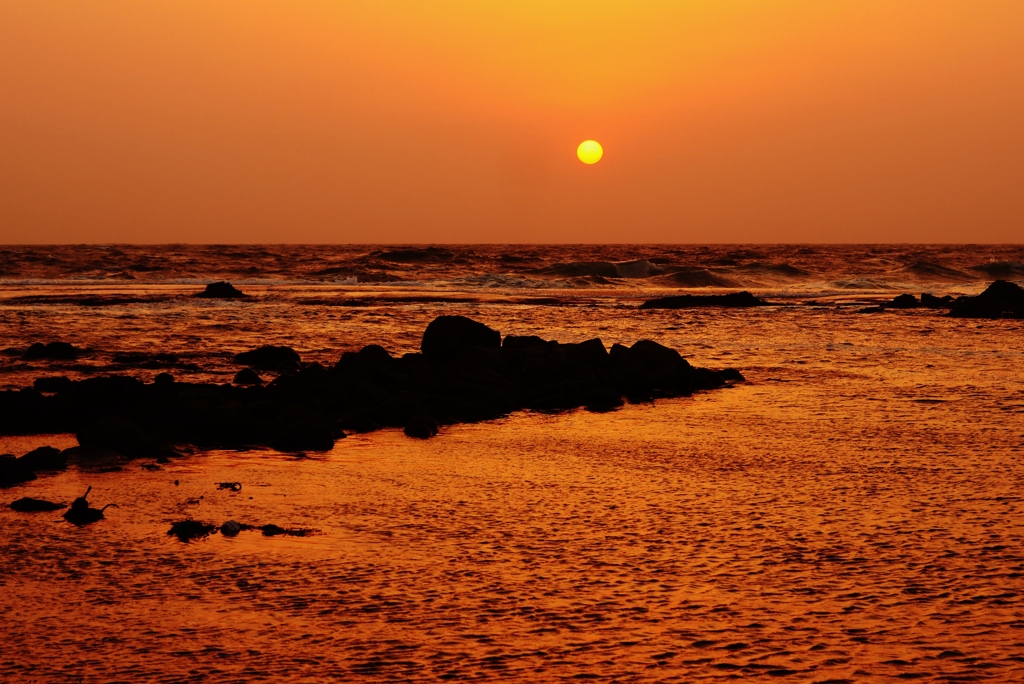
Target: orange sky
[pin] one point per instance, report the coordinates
(457, 120)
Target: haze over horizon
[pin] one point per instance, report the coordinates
(457, 122)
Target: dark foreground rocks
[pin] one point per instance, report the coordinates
(465, 373)
(689, 301)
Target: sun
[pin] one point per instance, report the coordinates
(590, 152)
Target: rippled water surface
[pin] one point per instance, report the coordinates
(853, 512)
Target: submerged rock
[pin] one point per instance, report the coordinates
(29, 505)
(81, 513)
(274, 531)
(189, 529)
(1002, 299)
(220, 290)
(687, 301)
(62, 351)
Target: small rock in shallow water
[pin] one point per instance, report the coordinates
(231, 528)
(189, 529)
(58, 351)
(220, 290)
(30, 505)
(687, 301)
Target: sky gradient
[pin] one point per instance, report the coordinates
(458, 120)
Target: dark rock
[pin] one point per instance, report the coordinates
(731, 300)
(871, 310)
(247, 376)
(268, 357)
(466, 374)
(904, 301)
(448, 336)
(275, 530)
(81, 513)
(44, 458)
(29, 505)
(233, 486)
(13, 471)
(421, 427)
(1002, 299)
(189, 529)
(932, 302)
(58, 351)
(52, 384)
(731, 374)
(304, 435)
(117, 433)
(220, 290)
(369, 358)
(518, 343)
(151, 361)
(231, 528)
(163, 379)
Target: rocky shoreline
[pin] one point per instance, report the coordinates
(465, 373)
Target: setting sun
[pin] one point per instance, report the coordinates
(590, 152)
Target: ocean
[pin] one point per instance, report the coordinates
(852, 511)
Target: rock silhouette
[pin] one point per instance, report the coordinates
(687, 301)
(247, 376)
(44, 458)
(1002, 299)
(81, 513)
(466, 373)
(189, 529)
(220, 290)
(13, 471)
(448, 336)
(62, 351)
(268, 357)
(29, 505)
